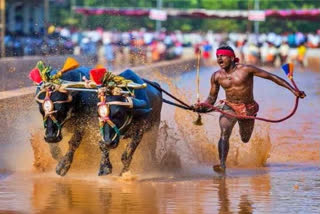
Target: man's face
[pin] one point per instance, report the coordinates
(224, 61)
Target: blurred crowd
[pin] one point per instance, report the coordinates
(103, 47)
(262, 49)
(142, 46)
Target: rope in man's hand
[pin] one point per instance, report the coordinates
(288, 69)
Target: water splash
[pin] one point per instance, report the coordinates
(198, 144)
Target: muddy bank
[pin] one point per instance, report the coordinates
(15, 70)
(19, 117)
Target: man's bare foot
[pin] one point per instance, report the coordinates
(219, 169)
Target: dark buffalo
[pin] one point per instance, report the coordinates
(127, 116)
(59, 106)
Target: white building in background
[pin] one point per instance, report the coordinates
(25, 16)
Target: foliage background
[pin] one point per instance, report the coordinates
(62, 14)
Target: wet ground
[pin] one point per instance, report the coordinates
(278, 171)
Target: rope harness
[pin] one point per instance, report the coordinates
(48, 106)
(211, 108)
(104, 111)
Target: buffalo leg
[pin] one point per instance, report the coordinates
(131, 148)
(55, 151)
(66, 161)
(105, 164)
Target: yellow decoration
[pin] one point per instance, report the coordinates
(99, 66)
(51, 29)
(69, 64)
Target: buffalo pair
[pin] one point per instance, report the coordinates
(125, 104)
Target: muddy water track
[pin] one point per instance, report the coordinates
(277, 171)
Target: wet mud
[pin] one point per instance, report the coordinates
(279, 164)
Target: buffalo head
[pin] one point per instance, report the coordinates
(53, 98)
(116, 113)
(55, 107)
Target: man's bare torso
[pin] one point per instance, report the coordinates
(238, 84)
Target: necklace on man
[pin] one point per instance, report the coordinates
(229, 77)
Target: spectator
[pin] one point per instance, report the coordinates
(301, 54)
(284, 52)
(109, 54)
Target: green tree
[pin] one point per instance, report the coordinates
(60, 15)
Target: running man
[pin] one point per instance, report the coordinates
(237, 81)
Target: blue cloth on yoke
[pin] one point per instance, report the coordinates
(143, 104)
(75, 75)
(139, 93)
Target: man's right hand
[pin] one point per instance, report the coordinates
(201, 107)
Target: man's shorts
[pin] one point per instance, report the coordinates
(240, 109)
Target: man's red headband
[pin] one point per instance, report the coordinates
(226, 52)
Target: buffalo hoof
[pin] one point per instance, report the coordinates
(125, 169)
(219, 169)
(64, 165)
(105, 170)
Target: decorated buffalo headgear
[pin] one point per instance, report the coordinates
(48, 83)
(227, 51)
(102, 81)
(114, 85)
(43, 74)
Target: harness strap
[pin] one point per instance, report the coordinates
(50, 113)
(112, 125)
(103, 120)
(214, 108)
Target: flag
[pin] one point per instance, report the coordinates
(288, 69)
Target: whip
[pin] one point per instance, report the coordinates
(198, 122)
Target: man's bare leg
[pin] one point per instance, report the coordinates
(226, 126)
(246, 129)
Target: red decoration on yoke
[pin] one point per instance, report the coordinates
(97, 75)
(35, 76)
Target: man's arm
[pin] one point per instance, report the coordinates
(276, 79)
(213, 94)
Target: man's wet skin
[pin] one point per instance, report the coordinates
(237, 81)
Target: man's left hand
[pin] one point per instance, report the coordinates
(300, 94)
